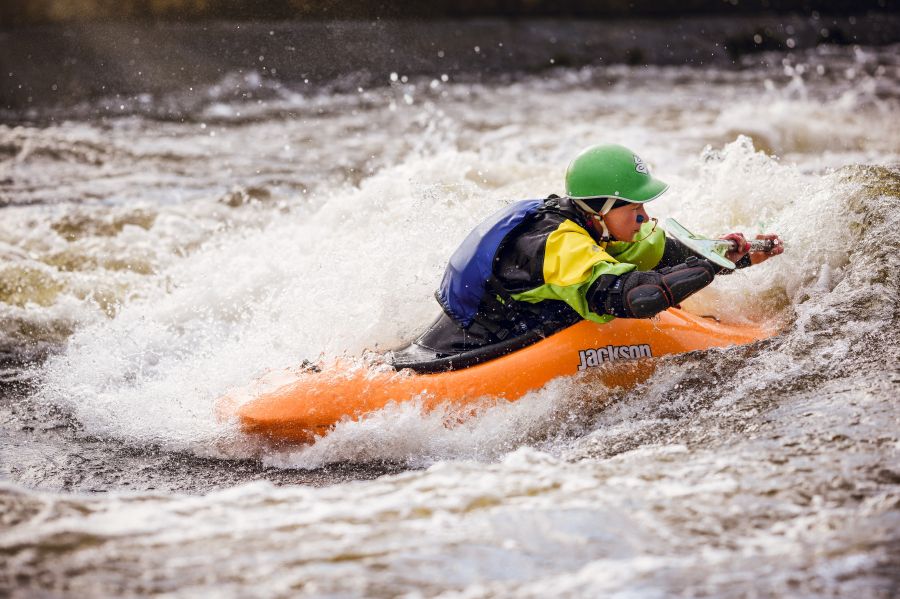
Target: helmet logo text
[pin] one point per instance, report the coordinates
(639, 165)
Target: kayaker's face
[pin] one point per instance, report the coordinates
(625, 222)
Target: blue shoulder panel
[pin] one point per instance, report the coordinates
(471, 265)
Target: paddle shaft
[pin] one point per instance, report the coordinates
(757, 245)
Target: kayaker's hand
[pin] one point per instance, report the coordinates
(777, 248)
(740, 242)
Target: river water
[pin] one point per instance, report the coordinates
(150, 262)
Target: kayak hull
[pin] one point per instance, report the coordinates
(309, 403)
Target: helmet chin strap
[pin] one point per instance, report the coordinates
(598, 216)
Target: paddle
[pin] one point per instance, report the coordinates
(713, 250)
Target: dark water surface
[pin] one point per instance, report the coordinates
(171, 70)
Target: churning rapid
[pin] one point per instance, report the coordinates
(150, 264)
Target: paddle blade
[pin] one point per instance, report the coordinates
(712, 249)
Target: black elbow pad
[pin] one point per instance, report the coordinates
(645, 294)
(647, 298)
(684, 280)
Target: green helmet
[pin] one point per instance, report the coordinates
(611, 171)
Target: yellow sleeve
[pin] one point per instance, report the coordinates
(572, 262)
(570, 255)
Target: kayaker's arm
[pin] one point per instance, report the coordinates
(563, 262)
(642, 294)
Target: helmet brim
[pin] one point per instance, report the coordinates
(647, 192)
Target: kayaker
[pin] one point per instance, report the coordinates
(539, 266)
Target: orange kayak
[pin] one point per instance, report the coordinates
(308, 403)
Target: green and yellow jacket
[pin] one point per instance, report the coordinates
(555, 257)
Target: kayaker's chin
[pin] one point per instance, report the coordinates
(629, 237)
